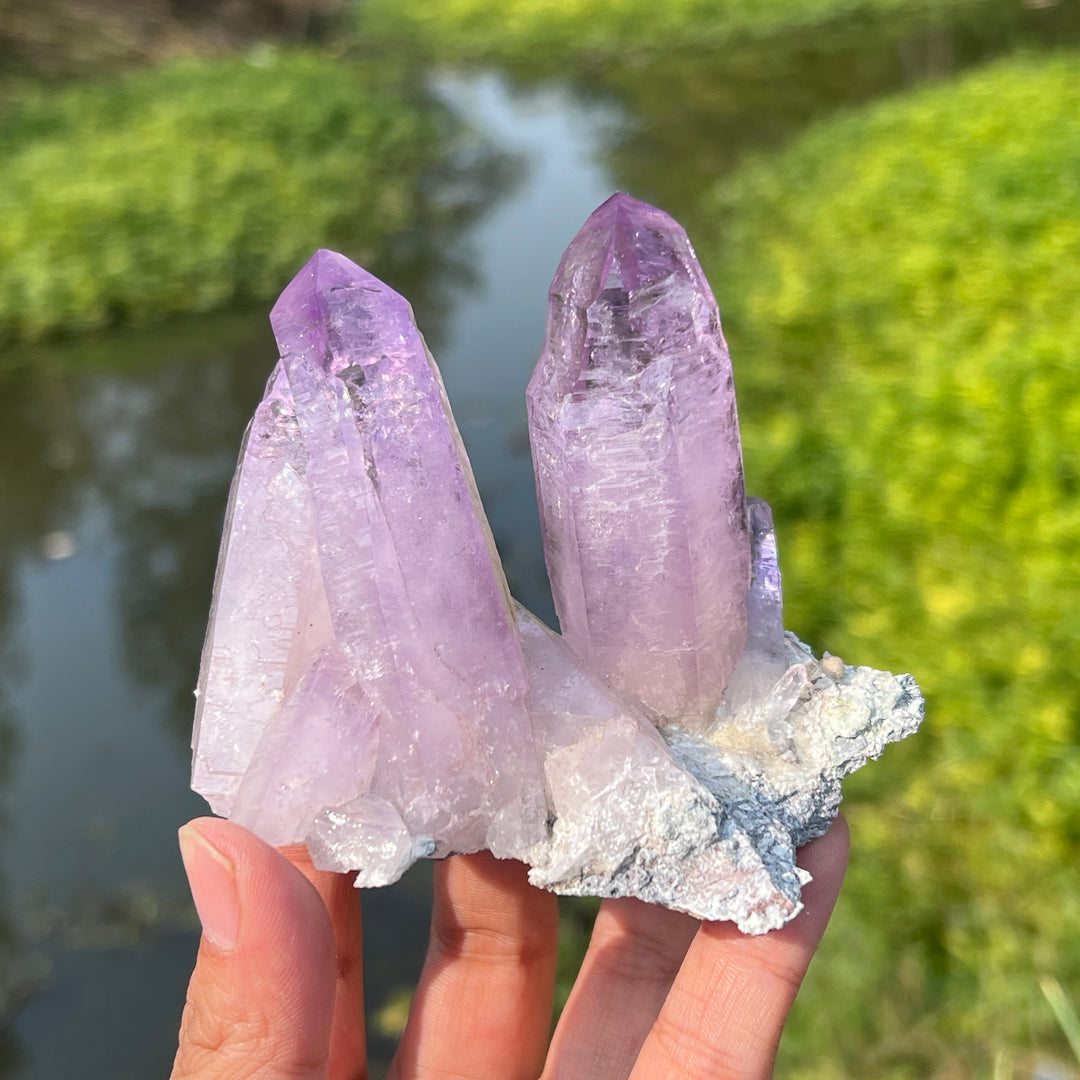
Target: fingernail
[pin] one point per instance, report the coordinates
(212, 878)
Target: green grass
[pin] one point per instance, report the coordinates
(195, 184)
(901, 291)
(1064, 1012)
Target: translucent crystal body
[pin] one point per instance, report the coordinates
(638, 463)
(361, 653)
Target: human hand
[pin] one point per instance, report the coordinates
(277, 992)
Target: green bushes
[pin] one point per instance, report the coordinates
(901, 290)
(184, 187)
(515, 29)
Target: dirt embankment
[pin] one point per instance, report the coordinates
(58, 37)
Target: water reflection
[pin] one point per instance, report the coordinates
(38, 486)
(115, 459)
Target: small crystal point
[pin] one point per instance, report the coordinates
(758, 694)
(362, 653)
(635, 440)
(765, 599)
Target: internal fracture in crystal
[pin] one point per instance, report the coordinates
(369, 688)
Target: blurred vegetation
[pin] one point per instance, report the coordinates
(1064, 1011)
(900, 285)
(64, 37)
(199, 182)
(703, 83)
(568, 31)
(901, 290)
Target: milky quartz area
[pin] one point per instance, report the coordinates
(368, 686)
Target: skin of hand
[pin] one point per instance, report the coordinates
(277, 992)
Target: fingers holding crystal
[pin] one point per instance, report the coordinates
(729, 1001)
(634, 954)
(348, 1042)
(483, 1004)
(261, 998)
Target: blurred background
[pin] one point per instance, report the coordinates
(886, 196)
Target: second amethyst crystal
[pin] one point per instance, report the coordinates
(639, 473)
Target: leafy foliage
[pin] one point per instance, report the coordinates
(901, 290)
(196, 183)
(517, 28)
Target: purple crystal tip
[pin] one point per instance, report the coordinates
(624, 243)
(334, 307)
(304, 298)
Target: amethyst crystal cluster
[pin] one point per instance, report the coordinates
(370, 688)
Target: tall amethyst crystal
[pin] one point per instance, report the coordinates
(638, 464)
(362, 683)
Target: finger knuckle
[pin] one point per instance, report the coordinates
(217, 1046)
(484, 944)
(696, 1053)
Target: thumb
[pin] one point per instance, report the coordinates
(261, 1000)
